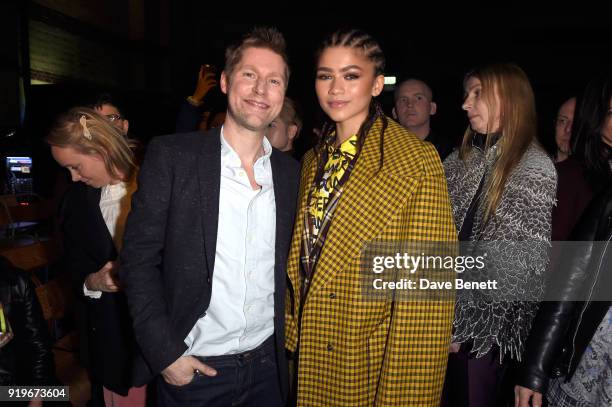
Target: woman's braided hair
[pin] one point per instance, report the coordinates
(354, 38)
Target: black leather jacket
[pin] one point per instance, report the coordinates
(27, 358)
(563, 329)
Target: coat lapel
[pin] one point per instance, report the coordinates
(307, 175)
(209, 178)
(369, 200)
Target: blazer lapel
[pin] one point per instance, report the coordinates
(283, 205)
(369, 200)
(209, 178)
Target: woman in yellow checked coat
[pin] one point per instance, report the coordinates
(368, 179)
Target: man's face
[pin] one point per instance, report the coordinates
(413, 106)
(563, 125)
(281, 134)
(115, 117)
(255, 89)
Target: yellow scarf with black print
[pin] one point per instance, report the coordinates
(337, 163)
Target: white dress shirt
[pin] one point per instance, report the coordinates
(241, 312)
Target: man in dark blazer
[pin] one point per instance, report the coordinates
(205, 248)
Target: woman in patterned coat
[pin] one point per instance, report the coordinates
(368, 179)
(502, 186)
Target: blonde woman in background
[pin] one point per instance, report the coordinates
(502, 186)
(94, 211)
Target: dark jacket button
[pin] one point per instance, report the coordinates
(332, 296)
(330, 347)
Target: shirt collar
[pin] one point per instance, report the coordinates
(229, 155)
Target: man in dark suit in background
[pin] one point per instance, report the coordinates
(216, 210)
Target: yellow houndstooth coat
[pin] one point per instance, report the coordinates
(351, 352)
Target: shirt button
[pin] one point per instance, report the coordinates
(241, 173)
(330, 347)
(208, 280)
(332, 296)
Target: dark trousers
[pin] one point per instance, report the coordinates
(472, 382)
(245, 379)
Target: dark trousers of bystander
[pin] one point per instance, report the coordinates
(472, 382)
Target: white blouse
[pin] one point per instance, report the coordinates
(115, 205)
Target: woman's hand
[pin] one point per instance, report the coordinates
(454, 347)
(522, 396)
(104, 279)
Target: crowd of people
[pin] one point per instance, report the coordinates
(217, 270)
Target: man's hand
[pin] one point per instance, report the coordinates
(454, 347)
(104, 279)
(522, 396)
(206, 81)
(182, 370)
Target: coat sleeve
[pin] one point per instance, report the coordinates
(77, 263)
(187, 118)
(37, 337)
(416, 354)
(34, 357)
(551, 325)
(141, 260)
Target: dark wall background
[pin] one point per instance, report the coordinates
(9, 65)
(559, 51)
(148, 52)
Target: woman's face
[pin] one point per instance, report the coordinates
(345, 84)
(483, 119)
(607, 126)
(86, 168)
